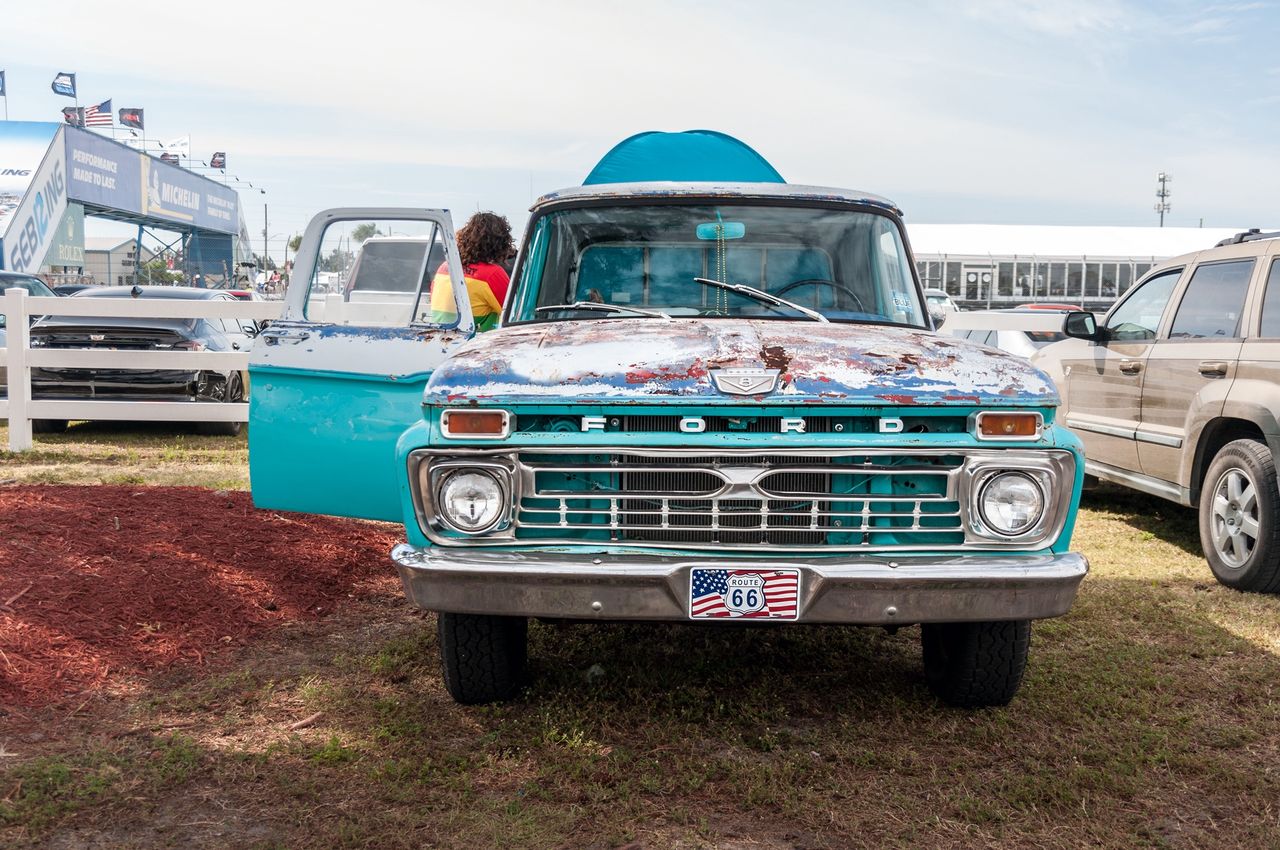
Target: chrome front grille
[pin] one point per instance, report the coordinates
(844, 500)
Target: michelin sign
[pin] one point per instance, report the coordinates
(43, 166)
(107, 174)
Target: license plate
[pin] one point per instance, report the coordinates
(748, 593)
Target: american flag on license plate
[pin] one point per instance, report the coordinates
(709, 591)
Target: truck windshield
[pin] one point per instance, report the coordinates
(847, 265)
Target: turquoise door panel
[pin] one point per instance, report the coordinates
(326, 444)
(330, 399)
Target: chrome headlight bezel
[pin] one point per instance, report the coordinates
(1053, 472)
(431, 477)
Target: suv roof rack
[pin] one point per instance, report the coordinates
(1250, 235)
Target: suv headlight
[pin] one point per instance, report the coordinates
(473, 501)
(1011, 503)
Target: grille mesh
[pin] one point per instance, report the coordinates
(744, 501)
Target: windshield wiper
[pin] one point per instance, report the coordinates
(602, 308)
(761, 295)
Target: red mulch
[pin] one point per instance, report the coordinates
(123, 580)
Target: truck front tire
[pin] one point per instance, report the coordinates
(482, 656)
(974, 665)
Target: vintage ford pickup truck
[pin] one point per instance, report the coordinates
(714, 397)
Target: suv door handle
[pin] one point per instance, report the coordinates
(1131, 367)
(293, 336)
(1213, 368)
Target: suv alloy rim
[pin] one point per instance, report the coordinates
(1235, 518)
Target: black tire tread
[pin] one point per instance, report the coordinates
(482, 656)
(235, 393)
(1263, 577)
(979, 664)
(48, 426)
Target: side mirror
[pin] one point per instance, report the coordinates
(1079, 324)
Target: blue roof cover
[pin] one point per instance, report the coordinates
(691, 156)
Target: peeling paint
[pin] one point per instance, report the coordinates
(670, 361)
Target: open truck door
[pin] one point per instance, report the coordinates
(335, 381)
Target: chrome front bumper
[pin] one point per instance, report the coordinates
(868, 590)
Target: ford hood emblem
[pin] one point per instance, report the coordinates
(745, 381)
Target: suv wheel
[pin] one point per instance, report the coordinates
(1240, 517)
(482, 656)
(972, 665)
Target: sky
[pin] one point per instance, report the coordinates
(969, 111)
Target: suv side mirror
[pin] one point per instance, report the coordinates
(1082, 325)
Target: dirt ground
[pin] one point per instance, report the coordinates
(100, 584)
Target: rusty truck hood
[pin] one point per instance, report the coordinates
(653, 361)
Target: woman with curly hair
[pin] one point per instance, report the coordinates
(484, 243)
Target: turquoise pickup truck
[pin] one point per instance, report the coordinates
(714, 397)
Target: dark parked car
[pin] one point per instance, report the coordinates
(132, 334)
(71, 288)
(33, 286)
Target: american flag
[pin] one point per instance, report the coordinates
(99, 116)
(710, 590)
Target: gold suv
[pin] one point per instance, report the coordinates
(1176, 392)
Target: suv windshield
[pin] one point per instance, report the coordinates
(847, 265)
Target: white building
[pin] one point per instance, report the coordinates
(112, 260)
(1002, 265)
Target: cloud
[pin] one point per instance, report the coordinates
(1038, 103)
(1053, 17)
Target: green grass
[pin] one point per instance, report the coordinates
(157, 453)
(1149, 717)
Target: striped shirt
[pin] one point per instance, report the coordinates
(486, 285)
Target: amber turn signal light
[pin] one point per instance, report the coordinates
(476, 424)
(1009, 426)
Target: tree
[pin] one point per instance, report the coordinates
(337, 260)
(361, 232)
(295, 243)
(157, 271)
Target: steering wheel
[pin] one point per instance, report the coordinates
(819, 281)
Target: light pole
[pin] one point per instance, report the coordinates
(264, 231)
(1162, 204)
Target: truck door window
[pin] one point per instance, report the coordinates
(1213, 301)
(381, 273)
(1271, 304)
(1138, 316)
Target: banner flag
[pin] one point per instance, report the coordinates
(218, 160)
(64, 84)
(73, 115)
(180, 146)
(132, 118)
(2, 94)
(99, 116)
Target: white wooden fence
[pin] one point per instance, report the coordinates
(19, 357)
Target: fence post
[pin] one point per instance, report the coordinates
(18, 344)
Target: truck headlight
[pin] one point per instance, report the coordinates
(1011, 503)
(473, 501)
